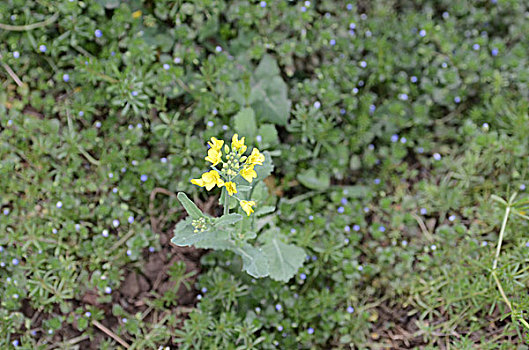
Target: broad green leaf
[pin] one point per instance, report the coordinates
(228, 219)
(268, 96)
(309, 178)
(264, 210)
(187, 237)
(244, 123)
(254, 261)
(268, 133)
(189, 206)
(284, 259)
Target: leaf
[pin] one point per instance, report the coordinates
(264, 210)
(189, 206)
(268, 134)
(244, 123)
(266, 169)
(228, 219)
(254, 261)
(185, 235)
(284, 259)
(268, 96)
(309, 178)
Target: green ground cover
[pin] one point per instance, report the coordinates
(399, 136)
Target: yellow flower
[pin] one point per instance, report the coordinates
(214, 156)
(256, 158)
(136, 14)
(247, 206)
(231, 187)
(209, 180)
(216, 144)
(236, 143)
(248, 173)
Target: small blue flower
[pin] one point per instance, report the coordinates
(484, 243)
(356, 228)
(352, 25)
(366, 210)
(413, 79)
(341, 210)
(104, 233)
(97, 124)
(66, 78)
(77, 227)
(115, 190)
(303, 9)
(403, 140)
(54, 231)
(307, 3)
(423, 211)
(372, 109)
(59, 204)
(15, 261)
(280, 328)
(16, 54)
(50, 331)
(15, 343)
(123, 169)
(6, 212)
(355, 90)
(42, 48)
(108, 290)
(494, 52)
(177, 60)
(163, 160)
(129, 252)
(143, 178)
(394, 138)
(346, 241)
(371, 147)
(292, 230)
(360, 268)
(452, 217)
(404, 243)
(166, 66)
(403, 97)
(218, 49)
(225, 127)
(124, 320)
(310, 330)
(259, 138)
(88, 314)
(422, 33)
(332, 42)
(349, 7)
(317, 104)
(302, 276)
(382, 229)
(98, 33)
(363, 64)
(134, 93)
(476, 47)
(130, 219)
(214, 111)
(522, 187)
(110, 175)
(445, 15)
(376, 181)
(436, 156)
(115, 222)
(311, 217)
(204, 290)
(278, 307)
(420, 150)
(262, 4)
(527, 244)
(343, 200)
(210, 123)
(33, 332)
(433, 247)
(314, 258)
(457, 99)
(350, 309)
(81, 113)
(113, 53)
(151, 249)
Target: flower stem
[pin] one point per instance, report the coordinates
(226, 201)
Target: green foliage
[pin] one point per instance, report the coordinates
(392, 124)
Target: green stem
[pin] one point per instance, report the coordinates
(500, 239)
(226, 201)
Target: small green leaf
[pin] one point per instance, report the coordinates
(284, 259)
(228, 219)
(309, 178)
(244, 123)
(264, 210)
(189, 206)
(268, 133)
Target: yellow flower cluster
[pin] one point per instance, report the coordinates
(236, 164)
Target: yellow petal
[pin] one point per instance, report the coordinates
(231, 188)
(236, 143)
(247, 206)
(256, 158)
(214, 156)
(136, 14)
(248, 173)
(198, 182)
(216, 144)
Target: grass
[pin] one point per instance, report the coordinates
(398, 132)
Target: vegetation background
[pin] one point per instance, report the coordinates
(391, 125)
